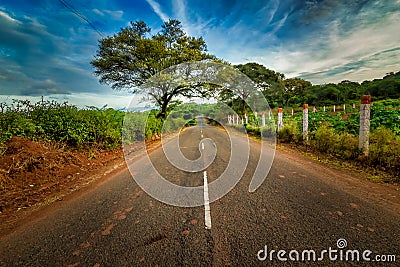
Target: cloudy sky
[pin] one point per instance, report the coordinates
(46, 45)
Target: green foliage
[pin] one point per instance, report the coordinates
(384, 151)
(254, 130)
(130, 57)
(290, 133)
(79, 128)
(346, 146)
(390, 118)
(49, 120)
(325, 139)
(191, 122)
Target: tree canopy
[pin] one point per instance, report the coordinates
(130, 57)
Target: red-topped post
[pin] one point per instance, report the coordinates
(365, 113)
(280, 121)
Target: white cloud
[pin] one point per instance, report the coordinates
(97, 12)
(157, 9)
(8, 19)
(115, 14)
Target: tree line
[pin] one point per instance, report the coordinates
(130, 57)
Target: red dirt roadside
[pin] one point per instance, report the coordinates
(33, 174)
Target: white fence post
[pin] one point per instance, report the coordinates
(354, 105)
(365, 112)
(344, 107)
(305, 122)
(292, 112)
(263, 120)
(237, 119)
(246, 119)
(334, 108)
(324, 108)
(280, 122)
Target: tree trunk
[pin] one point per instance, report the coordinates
(163, 112)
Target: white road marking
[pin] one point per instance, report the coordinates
(201, 135)
(207, 215)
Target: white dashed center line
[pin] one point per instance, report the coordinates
(207, 214)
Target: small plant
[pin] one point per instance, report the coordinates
(289, 134)
(325, 139)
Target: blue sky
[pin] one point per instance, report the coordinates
(45, 48)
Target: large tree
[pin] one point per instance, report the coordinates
(295, 90)
(130, 57)
(269, 82)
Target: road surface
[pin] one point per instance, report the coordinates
(301, 206)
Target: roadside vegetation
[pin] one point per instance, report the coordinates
(66, 125)
(336, 134)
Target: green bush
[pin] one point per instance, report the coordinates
(325, 139)
(253, 130)
(382, 147)
(347, 146)
(289, 134)
(80, 128)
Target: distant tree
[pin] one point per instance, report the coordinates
(295, 89)
(326, 94)
(267, 81)
(259, 73)
(349, 90)
(130, 57)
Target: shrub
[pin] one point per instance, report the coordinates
(325, 139)
(289, 134)
(347, 146)
(253, 130)
(381, 146)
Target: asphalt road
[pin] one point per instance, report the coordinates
(298, 207)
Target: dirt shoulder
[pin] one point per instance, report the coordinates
(34, 175)
(357, 181)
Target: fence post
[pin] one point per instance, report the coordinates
(344, 107)
(246, 119)
(292, 112)
(263, 120)
(237, 119)
(280, 122)
(324, 108)
(365, 112)
(354, 105)
(305, 122)
(334, 108)
(269, 114)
